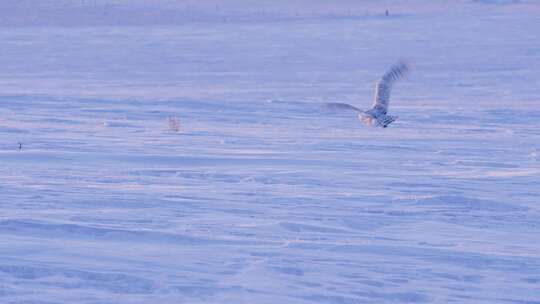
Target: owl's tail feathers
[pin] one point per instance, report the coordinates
(385, 120)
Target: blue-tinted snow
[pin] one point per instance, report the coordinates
(264, 195)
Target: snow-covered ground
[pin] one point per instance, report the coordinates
(181, 152)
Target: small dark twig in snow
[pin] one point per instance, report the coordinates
(174, 124)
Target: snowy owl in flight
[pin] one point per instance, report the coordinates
(377, 115)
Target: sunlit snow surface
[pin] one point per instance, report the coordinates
(259, 193)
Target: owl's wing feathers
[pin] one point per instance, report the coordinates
(342, 106)
(384, 86)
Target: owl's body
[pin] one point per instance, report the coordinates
(371, 118)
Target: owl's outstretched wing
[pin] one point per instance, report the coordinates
(384, 86)
(342, 106)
